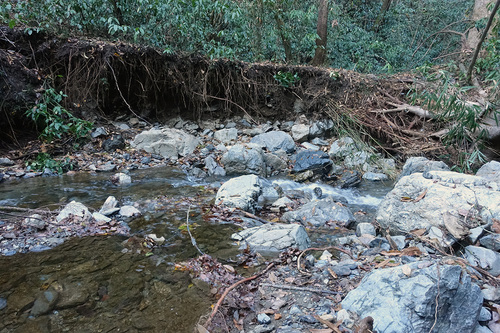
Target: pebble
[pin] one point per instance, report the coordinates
(262, 318)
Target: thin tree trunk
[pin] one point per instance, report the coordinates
(320, 52)
(483, 36)
(380, 18)
(286, 42)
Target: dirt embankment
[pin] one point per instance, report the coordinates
(106, 80)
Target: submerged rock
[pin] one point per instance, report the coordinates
(319, 212)
(273, 237)
(403, 299)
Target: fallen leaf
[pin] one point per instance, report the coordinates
(412, 251)
(406, 199)
(277, 316)
(419, 232)
(320, 330)
(421, 196)
(496, 226)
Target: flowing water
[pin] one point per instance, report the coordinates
(96, 284)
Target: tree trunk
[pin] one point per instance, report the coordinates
(483, 36)
(320, 52)
(284, 39)
(380, 18)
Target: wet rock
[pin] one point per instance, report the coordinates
(45, 302)
(342, 147)
(213, 168)
(226, 135)
(3, 303)
(300, 132)
(373, 176)
(273, 237)
(74, 209)
(121, 179)
(276, 162)
(114, 143)
(491, 241)
(109, 207)
(441, 199)
(484, 258)
(4, 161)
(167, 142)
(400, 302)
(317, 161)
(244, 159)
(240, 192)
(422, 164)
(303, 176)
(319, 212)
(275, 140)
(129, 211)
(365, 229)
(35, 221)
(71, 295)
(350, 178)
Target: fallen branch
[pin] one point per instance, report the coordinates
(312, 290)
(221, 299)
(29, 210)
(333, 327)
(416, 110)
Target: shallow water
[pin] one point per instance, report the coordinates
(98, 286)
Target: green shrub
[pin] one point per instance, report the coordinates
(45, 161)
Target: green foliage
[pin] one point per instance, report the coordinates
(45, 161)
(57, 122)
(255, 30)
(286, 79)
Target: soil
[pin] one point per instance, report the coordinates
(105, 81)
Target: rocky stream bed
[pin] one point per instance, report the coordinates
(156, 223)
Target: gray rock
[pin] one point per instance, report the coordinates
(491, 293)
(317, 161)
(226, 135)
(167, 142)
(341, 270)
(107, 167)
(129, 211)
(320, 128)
(71, 295)
(35, 221)
(98, 132)
(484, 258)
(356, 159)
(300, 132)
(400, 241)
(276, 162)
(350, 178)
(442, 238)
(4, 161)
(491, 241)
(490, 171)
(319, 142)
(262, 329)
(262, 318)
(484, 315)
(75, 209)
(45, 302)
(422, 164)
(271, 238)
(100, 217)
(319, 212)
(244, 159)
(445, 195)
(275, 140)
(282, 202)
(481, 329)
(110, 206)
(112, 144)
(3, 303)
(365, 229)
(240, 192)
(295, 310)
(373, 176)
(342, 147)
(407, 303)
(310, 146)
(213, 168)
(475, 233)
(121, 179)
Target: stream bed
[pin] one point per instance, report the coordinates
(93, 284)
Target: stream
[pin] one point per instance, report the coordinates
(99, 286)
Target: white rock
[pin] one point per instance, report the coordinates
(76, 209)
(129, 211)
(100, 217)
(110, 206)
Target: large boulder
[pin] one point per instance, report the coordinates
(318, 213)
(275, 140)
(422, 164)
(403, 299)
(273, 237)
(76, 210)
(444, 199)
(167, 142)
(244, 159)
(318, 161)
(226, 135)
(241, 192)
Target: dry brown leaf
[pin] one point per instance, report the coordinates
(382, 264)
(496, 226)
(391, 253)
(268, 311)
(406, 199)
(418, 232)
(320, 330)
(412, 251)
(332, 273)
(421, 196)
(277, 316)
